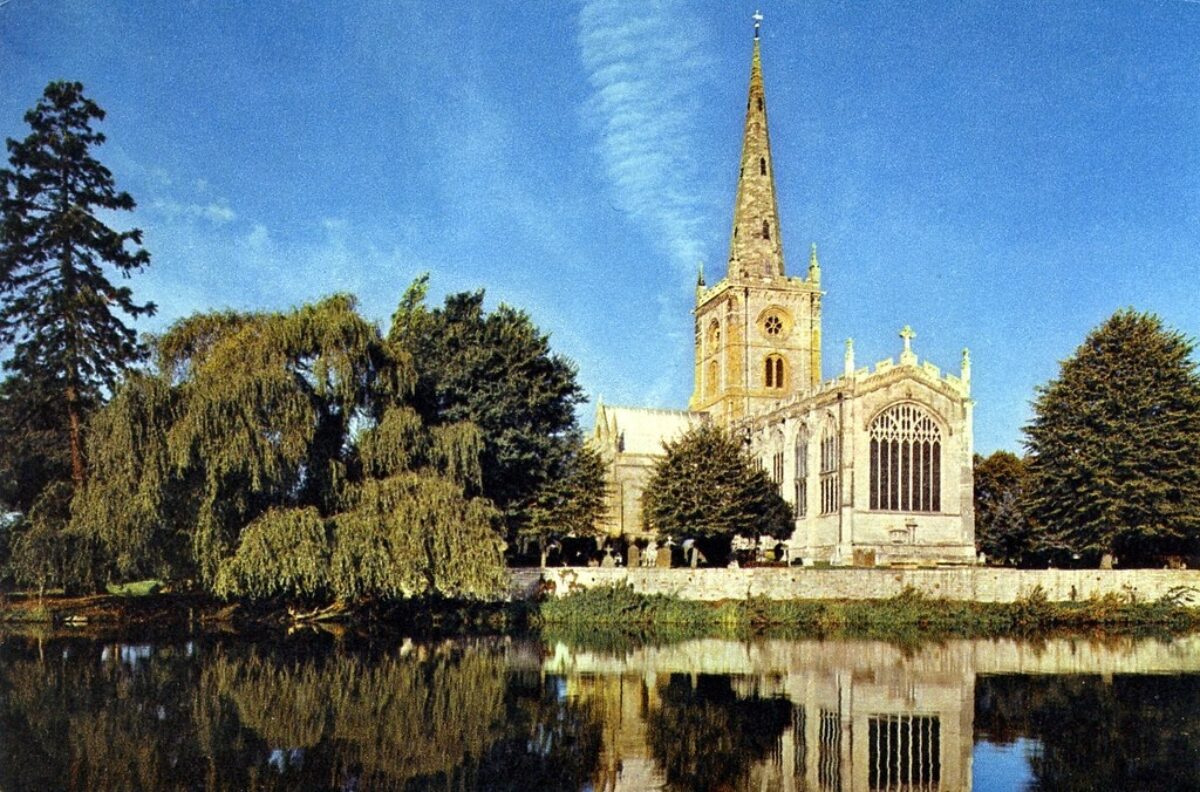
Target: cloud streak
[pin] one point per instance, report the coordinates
(644, 64)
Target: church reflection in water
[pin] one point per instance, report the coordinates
(500, 714)
(809, 716)
(892, 730)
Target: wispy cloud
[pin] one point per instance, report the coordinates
(646, 64)
(214, 211)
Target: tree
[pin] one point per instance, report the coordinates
(56, 302)
(707, 487)
(1003, 531)
(496, 371)
(1115, 445)
(275, 454)
(36, 442)
(571, 503)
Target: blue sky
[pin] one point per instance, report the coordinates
(1002, 176)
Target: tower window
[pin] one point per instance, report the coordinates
(906, 456)
(760, 104)
(766, 230)
(762, 166)
(773, 325)
(773, 372)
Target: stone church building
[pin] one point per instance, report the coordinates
(875, 462)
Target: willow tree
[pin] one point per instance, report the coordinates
(282, 443)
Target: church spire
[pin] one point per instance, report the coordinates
(756, 249)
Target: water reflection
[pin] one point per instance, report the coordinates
(778, 716)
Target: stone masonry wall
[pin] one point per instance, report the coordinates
(980, 584)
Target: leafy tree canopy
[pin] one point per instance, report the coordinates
(707, 486)
(276, 454)
(36, 451)
(496, 371)
(58, 307)
(1003, 531)
(1115, 444)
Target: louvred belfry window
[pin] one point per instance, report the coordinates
(906, 460)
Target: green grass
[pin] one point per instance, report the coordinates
(137, 588)
(588, 615)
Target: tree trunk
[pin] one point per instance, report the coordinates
(78, 471)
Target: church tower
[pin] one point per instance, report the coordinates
(758, 331)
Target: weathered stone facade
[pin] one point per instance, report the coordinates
(877, 463)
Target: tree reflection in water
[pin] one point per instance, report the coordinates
(707, 738)
(1120, 732)
(445, 717)
(227, 714)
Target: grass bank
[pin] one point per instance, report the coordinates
(908, 615)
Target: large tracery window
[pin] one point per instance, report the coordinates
(906, 460)
(801, 505)
(831, 498)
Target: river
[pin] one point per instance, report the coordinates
(318, 711)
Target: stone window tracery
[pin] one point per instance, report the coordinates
(801, 504)
(773, 325)
(777, 461)
(831, 498)
(906, 460)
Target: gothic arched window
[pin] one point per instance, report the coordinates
(714, 374)
(773, 372)
(766, 230)
(831, 491)
(762, 166)
(777, 460)
(801, 504)
(906, 460)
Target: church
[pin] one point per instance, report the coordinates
(876, 462)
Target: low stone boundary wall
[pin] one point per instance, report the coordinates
(978, 584)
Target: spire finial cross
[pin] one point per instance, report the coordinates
(758, 18)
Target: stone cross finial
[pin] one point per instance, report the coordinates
(908, 334)
(758, 18)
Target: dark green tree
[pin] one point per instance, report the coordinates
(1115, 445)
(57, 304)
(707, 487)
(1003, 531)
(36, 442)
(569, 504)
(495, 370)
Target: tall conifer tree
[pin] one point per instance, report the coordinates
(1115, 445)
(57, 304)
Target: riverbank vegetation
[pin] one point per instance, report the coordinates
(615, 609)
(616, 616)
